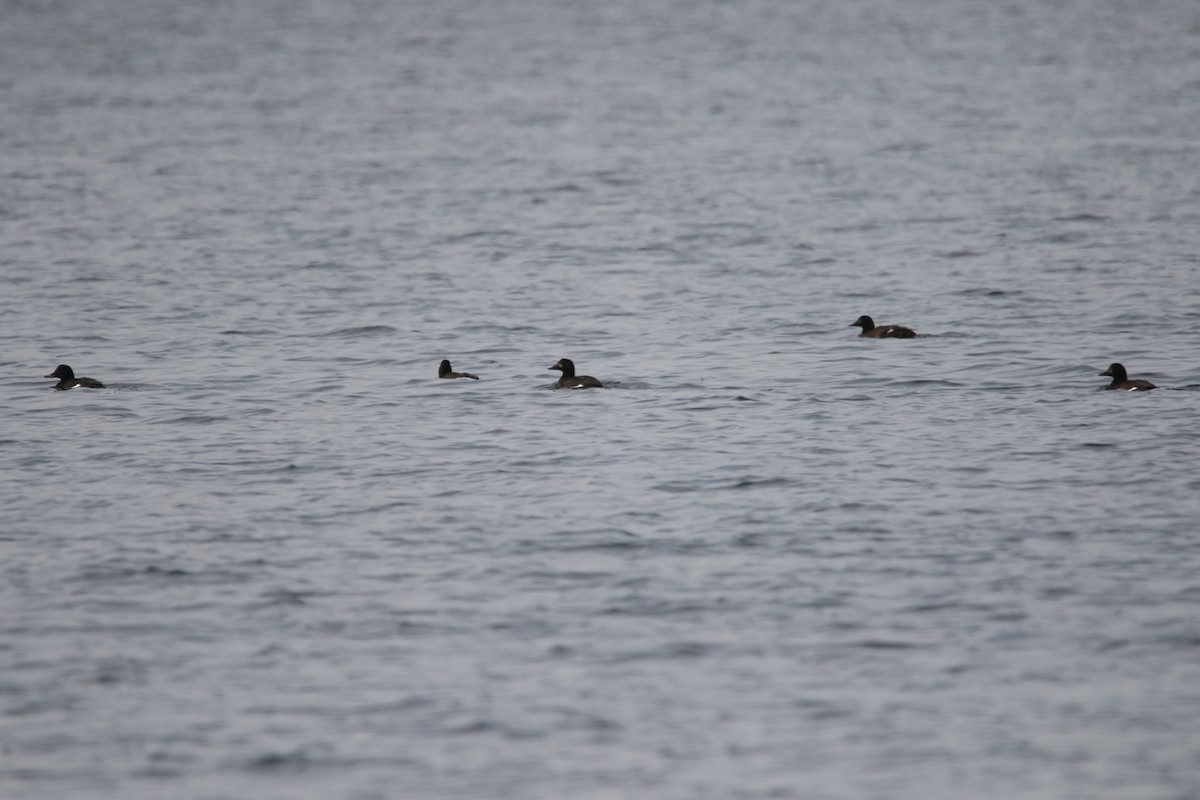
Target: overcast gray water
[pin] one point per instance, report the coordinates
(278, 558)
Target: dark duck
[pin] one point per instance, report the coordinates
(570, 380)
(67, 380)
(873, 331)
(1121, 380)
(445, 371)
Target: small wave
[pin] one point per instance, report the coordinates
(570, 187)
(952, 335)
(470, 236)
(1083, 218)
(491, 726)
(748, 482)
(982, 291)
(285, 597)
(123, 573)
(932, 220)
(669, 652)
(364, 330)
(888, 644)
(861, 227)
(276, 762)
(909, 147)
(927, 382)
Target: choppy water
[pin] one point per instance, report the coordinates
(277, 558)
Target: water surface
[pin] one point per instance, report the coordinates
(278, 557)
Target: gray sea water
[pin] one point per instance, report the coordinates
(278, 558)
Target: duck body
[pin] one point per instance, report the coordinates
(67, 380)
(872, 331)
(445, 371)
(570, 380)
(1121, 380)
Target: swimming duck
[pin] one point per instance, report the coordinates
(570, 380)
(444, 371)
(873, 331)
(1120, 380)
(67, 380)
